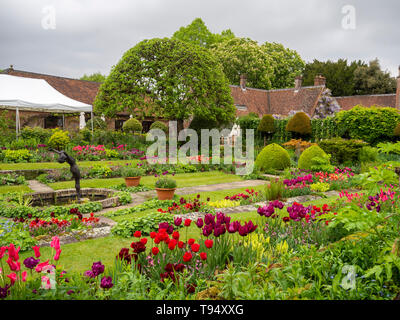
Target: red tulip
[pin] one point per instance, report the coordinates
(153, 234)
(187, 222)
(195, 247)
(191, 241)
(137, 234)
(155, 250)
(181, 244)
(209, 243)
(203, 256)
(187, 256)
(143, 240)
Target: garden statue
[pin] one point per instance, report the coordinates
(64, 157)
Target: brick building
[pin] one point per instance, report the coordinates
(246, 100)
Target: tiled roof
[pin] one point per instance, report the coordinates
(280, 101)
(81, 90)
(384, 100)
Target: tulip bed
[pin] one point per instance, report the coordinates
(342, 247)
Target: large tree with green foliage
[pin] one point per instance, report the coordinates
(287, 64)
(339, 75)
(167, 78)
(97, 77)
(370, 79)
(197, 33)
(244, 56)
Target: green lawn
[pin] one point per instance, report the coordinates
(182, 180)
(56, 165)
(20, 188)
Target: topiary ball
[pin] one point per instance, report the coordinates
(159, 125)
(267, 124)
(132, 125)
(273, 156)
(300, 123)
(308, 154)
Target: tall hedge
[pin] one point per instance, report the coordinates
(372, 124)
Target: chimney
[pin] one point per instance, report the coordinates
(398, 91)
(11, 67)
(297, 83)
(319, 80)
(243, 79)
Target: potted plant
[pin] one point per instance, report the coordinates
(165, 188)
(132, 176)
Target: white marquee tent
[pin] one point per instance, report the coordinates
(27, 94)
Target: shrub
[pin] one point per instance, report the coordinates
(372, 124)
(22, 155)
(98, 123)
(267, 124)
(165, 183)
(248, 122)
(59, 140)
(299, 124)
(396, 131)
(323, 164)
(368, 154)
(159, 125)
(100, 171)
(132, 125)
(305, 160)
(342, 150)
(40, 134)
(23, 143)
(273, 156)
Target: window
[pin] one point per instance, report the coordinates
(118, 124)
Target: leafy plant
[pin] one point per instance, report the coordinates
(59, 140)
(131, 171)
(165, 183)
(132, 125)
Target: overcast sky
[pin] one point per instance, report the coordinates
(91, 35)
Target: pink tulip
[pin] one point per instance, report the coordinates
(55, 243)
(37, 251)
(40, 266)
(13, 277)
(24, 275)
(57, 255)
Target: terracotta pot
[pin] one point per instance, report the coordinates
(132, 181)
(165, 194)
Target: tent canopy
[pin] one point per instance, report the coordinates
(36, 95)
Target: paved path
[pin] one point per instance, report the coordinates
(37, 186)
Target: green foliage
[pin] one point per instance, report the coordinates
(23, 143)
(372, 80)
(167, 78)
(22, 155)
(98, 123)
(11, 179)
(267, 124)
(165, 183)
(124, 197)
(320, 187)
(305, 160)
(322, 164)
(376, 178)
(299, 124)
(198, 34)
(323, 129)
(248, 122)
(59, 140)
(274, 190)
(273, 156)
(97, 77)
(132, 125)
(126, 228)
(38, 133)
(388, 147)
(159, 125)
(245, 56)
(339, 75)
(130, 171)
(100, 170)
(342, 150)
(373, 125)
(368, 154)
(287, 64)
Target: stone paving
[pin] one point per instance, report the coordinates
(37, 186)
